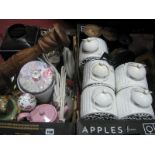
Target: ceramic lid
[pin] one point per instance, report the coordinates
(27, 102)
(100, 70)
(35, 77)
(141, 97)
(102, 97)
(136, 71)
(44, 113)
(90, 45)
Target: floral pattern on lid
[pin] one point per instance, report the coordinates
(35, 77)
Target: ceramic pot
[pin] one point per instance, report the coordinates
(98, 71)
(134, 103)
(98, 102)
(92, 47)
(42, 113)
(27, 102)
(38, 79)
(130, 74)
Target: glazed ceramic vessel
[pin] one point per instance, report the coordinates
(98, 102)
(38, 79)
(98, 71)
(27, 102)
(42, 113)
(92, 47)
(130, 74)
(134, 103)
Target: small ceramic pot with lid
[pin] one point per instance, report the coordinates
(130, 74)
(42, 113)
(92, 47)
(27, 102)
(38, 79)
(98, 102)
(98, 71)
(134, 103)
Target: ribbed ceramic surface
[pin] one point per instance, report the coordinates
(102, 48)
(103, 76)
(126, 107)
(88, 106)
(123, 80)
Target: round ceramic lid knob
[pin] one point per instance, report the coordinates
(42, 113)
(137, 72)
(36, 75)
(90, 45)
(141, 98)
(102, 99)
(100, 70)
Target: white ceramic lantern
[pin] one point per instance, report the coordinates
(38, 79)
(130, 74)
(134, 103)
(98, 71)
(98, 103)
(92, 47)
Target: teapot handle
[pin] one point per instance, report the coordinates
(23, 115)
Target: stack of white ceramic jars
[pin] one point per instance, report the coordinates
(108, 94)
(132, 95)
(98, 95)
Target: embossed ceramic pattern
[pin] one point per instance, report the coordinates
(27, 102)
(134, 101)
(37, 78)
(92, 47)
(130, 74)
(98, 99)
(98, 71)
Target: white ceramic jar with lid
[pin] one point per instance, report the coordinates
(98, 71)
(134, 103)
(92, 47)
(130, 74)
(98, 102)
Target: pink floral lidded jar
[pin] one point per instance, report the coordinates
(38, 79)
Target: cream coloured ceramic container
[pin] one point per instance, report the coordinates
(98, 102)
(130, 74)
(98, 71)
(38, 79)
(92, 47)
(134, 103)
